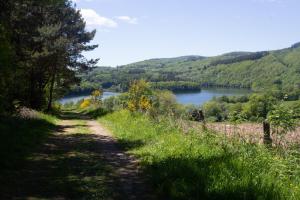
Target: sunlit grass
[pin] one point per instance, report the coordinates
(204, 165)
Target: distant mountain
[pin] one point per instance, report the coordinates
(296, 45)
(237, 53)
(256, 70)
(161, 62)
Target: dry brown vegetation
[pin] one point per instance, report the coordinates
(253, 133)
(246, 132)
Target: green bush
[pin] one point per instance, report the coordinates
(115, 103)
(282, 119)
(259, 106)
(214, 110)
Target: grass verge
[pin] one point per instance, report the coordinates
(204, 165)
(20, 137)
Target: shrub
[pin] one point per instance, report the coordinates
(282, 120)
(213, 109)
(258, 106)
(112, 103)
(139, 96)
(86, 103)
(235, 113)
(69, 105)
(96, 96)
(165, 103)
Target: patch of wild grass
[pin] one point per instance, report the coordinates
(204, 165)
(19, 136)
(94, 112)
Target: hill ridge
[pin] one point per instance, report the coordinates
(256, 70)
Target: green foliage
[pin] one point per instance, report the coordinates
(259, 71)
(213, 110)
(116, 102)
(296, 108)
(235, 113)
(95, 112)
(233, 99)
(203, 165)
(255, 108)
(282, 119)
(258, 106)
(176, 86)
(240, 58)
(41, 46)
(165, 104)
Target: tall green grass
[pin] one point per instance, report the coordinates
(204, 165)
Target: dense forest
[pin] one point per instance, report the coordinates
(259, 71)
(41, 45)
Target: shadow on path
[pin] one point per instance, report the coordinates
(128, 178)
(71, 165)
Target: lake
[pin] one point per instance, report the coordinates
(196, 98)
(76, 98)
(206, 94)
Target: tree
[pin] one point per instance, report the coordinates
(64, 40)
(5, 69)
(46, 39)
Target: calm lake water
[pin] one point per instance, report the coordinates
(76, 98)
(199, 98)
(196, 98)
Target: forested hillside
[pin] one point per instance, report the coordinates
(259, 70)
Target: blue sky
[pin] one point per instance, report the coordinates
(135, 30)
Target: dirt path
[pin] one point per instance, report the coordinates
(128, 176)
(81, 160)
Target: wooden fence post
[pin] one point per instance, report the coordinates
(267, 133)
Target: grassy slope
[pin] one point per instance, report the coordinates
(204, 166)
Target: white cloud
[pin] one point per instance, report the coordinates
(92, 18)
(127, 19)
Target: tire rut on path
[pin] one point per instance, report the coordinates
(128, 177)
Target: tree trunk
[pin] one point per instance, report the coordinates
(49, 108)
(267, 134)
(202, 117)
